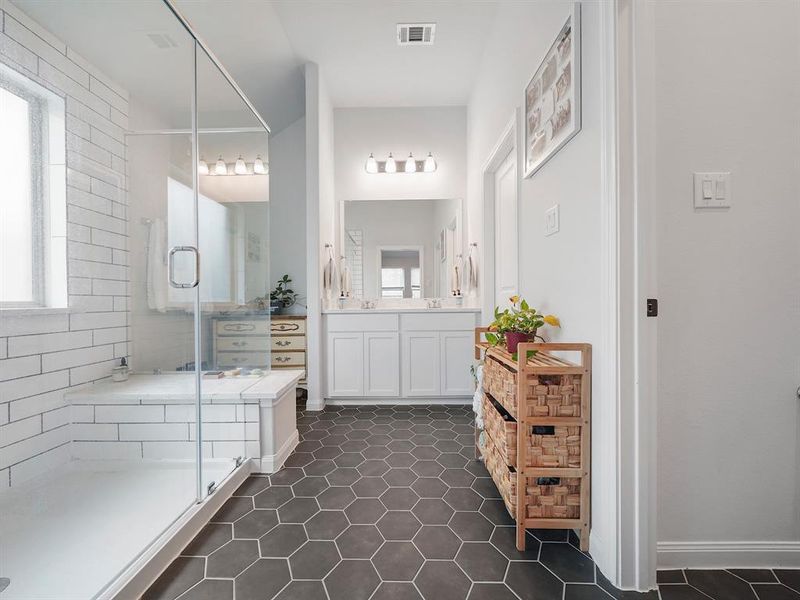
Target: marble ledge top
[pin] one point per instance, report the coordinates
(143, 388)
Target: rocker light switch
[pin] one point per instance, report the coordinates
(551, 220)
(712, 190)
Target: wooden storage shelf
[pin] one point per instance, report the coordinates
(537, 423)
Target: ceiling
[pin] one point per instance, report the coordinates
(264, 44)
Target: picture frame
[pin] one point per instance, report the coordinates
(552, 98)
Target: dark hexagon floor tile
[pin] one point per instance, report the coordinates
(429, 487)
(551, 535)
(427, 468)
(383, 429)
(373, 468)
(376, 452)
(426, 453)
(432, 511)
(358, 434)
(308, 487)
(437, 542)
(211, 537)
(471, 527)
(485, 487)
(233, 558)
(299, 459)
(751, 575)
(327, 452)
(457, 478)
(365, 511)
(255, 523)
(308, 446)
(681, 592)
(334, 441)
(617, 594)
(399, 477)
(319, 467)
(397, 561)
(490, 591)
(422, 428)
(401, 446)
(768, 591)
(424, 439)
(477, 468)
(298, 510)
(273, 497)
(336, 498)
(447, 445)
(349, 459)
(352, 580)
(396, 591)
(183, 573)
(505, 540)
(326, 525)
(583, 591)
(531, 581)
(282, 541)
(343, 476)
(263, 579)
(789, 577)
(452, 460)
(369, 487)
(354, 446)
(252, 485)
(401, 459)
(314, 560)
(286, 476)
(399, 498)
(233, 509)
(463, 499)
(445, 435)
(442, 580)
(568, 563)
(481, 561)
(303, 590)
(210, 589)
(720, 585)
(398, 525)
(359, 541)
(495, 510)
(670, 576)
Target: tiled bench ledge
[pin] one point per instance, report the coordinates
(154, 417)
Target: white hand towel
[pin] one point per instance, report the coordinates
(157, 266)
(472, 275)
(327, 279)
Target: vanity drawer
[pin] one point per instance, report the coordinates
(243, 327)
(238, 344)
(362, 322)
(288, 359)
(288, 342)
(290, 326)
(241, 359)
(438, 320)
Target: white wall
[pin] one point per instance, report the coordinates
(287, 232)
(727, 79)
(359, 131)
(561, 273)
(41, 355)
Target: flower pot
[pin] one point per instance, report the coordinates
(513, 339)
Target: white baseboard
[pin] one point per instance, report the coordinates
(715, 555)
(273, 462)
(140, 575)
(398, 401)
(315, 404)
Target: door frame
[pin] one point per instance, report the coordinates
(508, 142)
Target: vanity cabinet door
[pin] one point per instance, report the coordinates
(456, 359)
(420, 363)
(345, 364)
(381, 364)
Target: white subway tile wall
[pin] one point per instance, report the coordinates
(42, 355)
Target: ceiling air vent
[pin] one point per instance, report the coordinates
(415, 34)
(162, 41)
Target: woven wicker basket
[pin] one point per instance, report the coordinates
(548, 395)
(502, 431)
(554, 446)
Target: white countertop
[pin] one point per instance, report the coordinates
(362, 311)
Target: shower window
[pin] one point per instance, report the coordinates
(22, 207)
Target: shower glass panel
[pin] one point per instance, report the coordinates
(233, 212)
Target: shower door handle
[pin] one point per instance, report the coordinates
(171, 261)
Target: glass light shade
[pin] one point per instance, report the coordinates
(391, 165)
(202, 167)
(371, 166)
(411, 164)
(430, 164)
(220, 168)
(240, 168)
(258, 166)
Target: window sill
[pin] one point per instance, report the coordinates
(23, 311)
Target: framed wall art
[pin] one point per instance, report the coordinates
(553, 96)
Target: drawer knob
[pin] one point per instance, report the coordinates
(282, 359)
(240, 343)
(283, 342)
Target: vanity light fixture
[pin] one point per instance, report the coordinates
(258, 166)
(220, 168)
(411, 164)
(202, 166)
(240, 168)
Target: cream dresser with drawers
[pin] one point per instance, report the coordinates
(246, 341)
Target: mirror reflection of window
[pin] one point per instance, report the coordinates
(401, 275)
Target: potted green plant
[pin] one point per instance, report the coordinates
(283, 296)
(518, 323)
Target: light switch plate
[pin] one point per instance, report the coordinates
(551, 220)
(712, 190)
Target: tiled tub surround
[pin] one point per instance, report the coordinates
(43, 353)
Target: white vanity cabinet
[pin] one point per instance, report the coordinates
(413, 355)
